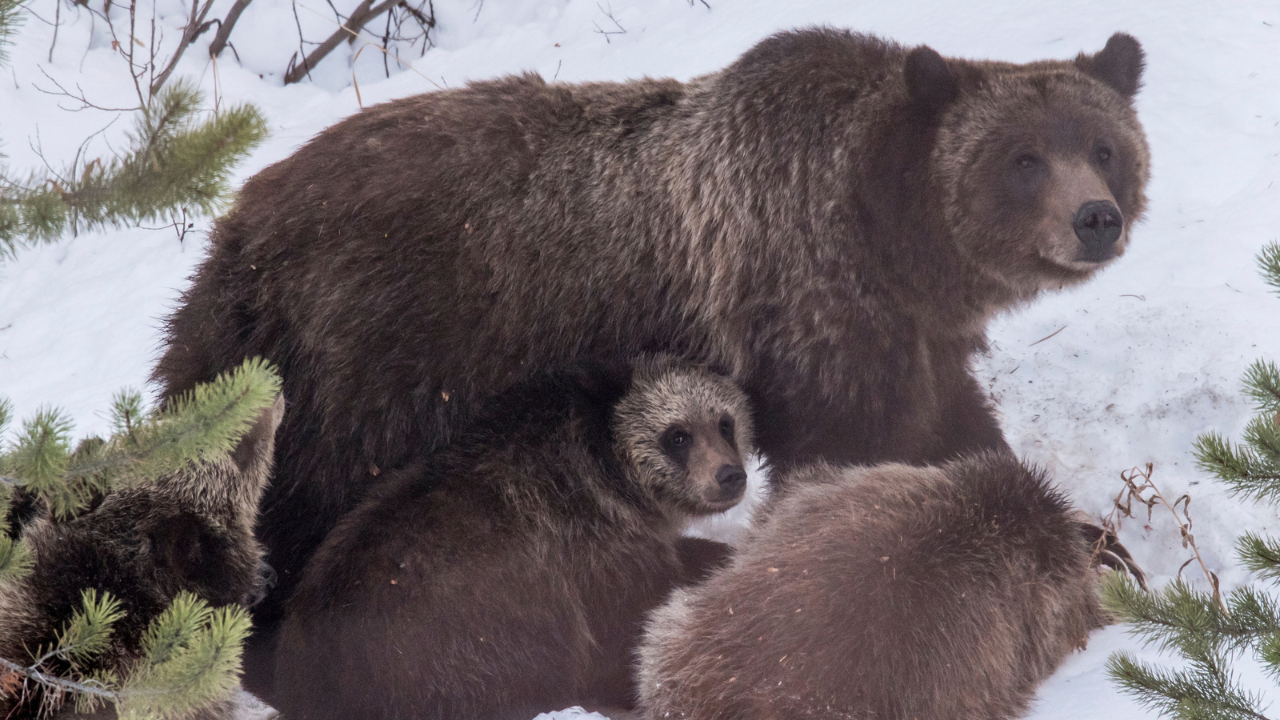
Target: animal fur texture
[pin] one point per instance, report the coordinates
(508, 573)
(188, 531)
(889, 592)
(833, 218)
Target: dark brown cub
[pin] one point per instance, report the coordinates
(508, 573)
(190, 531)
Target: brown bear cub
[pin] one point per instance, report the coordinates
(892, 591)
(509, 573)
(188, 531)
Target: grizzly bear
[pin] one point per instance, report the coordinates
(833, 218)
(509, 573)
(188, 531)
(889, 591)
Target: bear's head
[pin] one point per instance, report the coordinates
(682, 433)
(1040, 167)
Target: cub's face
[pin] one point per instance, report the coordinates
(684, 433)
(1044, 167)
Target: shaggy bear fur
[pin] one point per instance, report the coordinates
(189, 531)
(509, 573)
(889, 592)
(833, 218)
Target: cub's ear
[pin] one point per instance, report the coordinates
(930, 83)
(259, 442)
(1119, 64)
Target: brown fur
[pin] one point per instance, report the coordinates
(882, 593)
(189, 531)
(508, 574)
(832, 218)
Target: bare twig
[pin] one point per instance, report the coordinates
(180, 225)
(606, 33)
(78, 96)
(359, 17)
(384, 51)
(195, 27)
(225, 26)
(1046, 337)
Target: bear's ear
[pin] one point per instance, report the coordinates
(1119, 64)
(930, 83)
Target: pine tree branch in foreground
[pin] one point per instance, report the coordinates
(9, 20)
(1207, 634)
(192, 657)
(189, 655)
(203, 425)
(175, 163)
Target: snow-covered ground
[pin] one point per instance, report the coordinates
(1144, 358)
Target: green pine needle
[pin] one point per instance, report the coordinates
(15, 558)
(1262, 382)
(178, 163)
(200, 426)
(89, 631)
(1261, 555)
(6, 410)
(175, 627)
(1269, 263)
(126, 411)
(9, 20)
(1206, 692)
(201, 670)
(1242, 468)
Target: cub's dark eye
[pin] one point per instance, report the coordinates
(676, 441)
(726, 428)
(1027, 162)
(1103, 154)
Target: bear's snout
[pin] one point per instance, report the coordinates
(732, 480)
(1098, 224)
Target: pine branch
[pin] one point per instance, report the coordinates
(201, 426)
(1207, 692)
(15, 558)
(1179, 618)
(1269, 264)
(1243, 469)
(1262, 382)
(175, 163)
(88, 632)
(9, 21)
(193, 658)
(1259, 554)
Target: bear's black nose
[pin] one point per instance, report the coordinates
(1098, 224)
(731, 478)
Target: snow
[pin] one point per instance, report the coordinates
(1144, 358)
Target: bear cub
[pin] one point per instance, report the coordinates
(189, 531)
(509, 572)
(890, 591)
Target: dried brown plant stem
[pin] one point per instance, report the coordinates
(1123, 508)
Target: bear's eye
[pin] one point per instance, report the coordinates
(1104, 154)
(1026, 162)
(676, 439)
(726, 428)
(676, 442)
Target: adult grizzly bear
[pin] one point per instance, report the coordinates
(509, 573)
(883, 592)
(833, 218)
